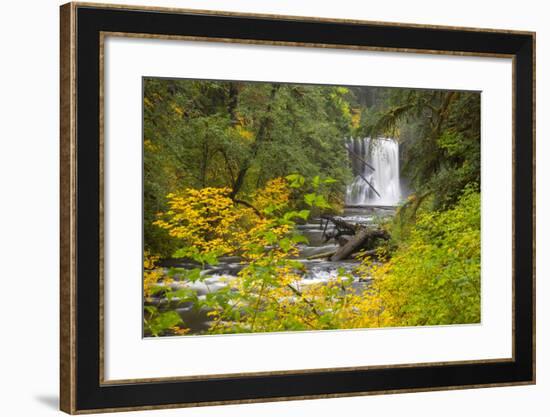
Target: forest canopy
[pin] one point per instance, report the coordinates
(240, 135)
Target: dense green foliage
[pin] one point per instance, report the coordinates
(433, 277)
(439, 135)
(238, 135)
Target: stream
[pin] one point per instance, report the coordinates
(317, 271)
(374, 192)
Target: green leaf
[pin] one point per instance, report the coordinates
(297, 238)
(185, 253)
(210, 258)
(289, 215)
(161, 322)
(158, 288)
(150, 309)
(173, 271)
(271, 237)
(310, 199)
(321, 202)
(193, 275)
(285, 244)
(183, 294)
(316, 181)
(169, 319)
(296, 180)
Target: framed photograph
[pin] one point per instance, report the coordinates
(265, 208)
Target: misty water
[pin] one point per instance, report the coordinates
(375, 166)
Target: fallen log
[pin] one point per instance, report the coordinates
(344, 239)
(340, 223)
(363, 239)
(342, 227)
(324, 255)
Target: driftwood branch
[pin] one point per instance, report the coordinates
(342, 227)
(368, 165)
(370, 185)
(340, 223)
(359, 158)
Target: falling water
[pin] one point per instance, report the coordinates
(382, 172)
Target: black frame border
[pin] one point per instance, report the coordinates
(90, 395)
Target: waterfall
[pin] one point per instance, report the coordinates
(382, 154)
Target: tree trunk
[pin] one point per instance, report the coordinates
(362, 239)
(263, 133)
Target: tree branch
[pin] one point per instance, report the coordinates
(358, 157)
(247, 204)
(371, 186)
